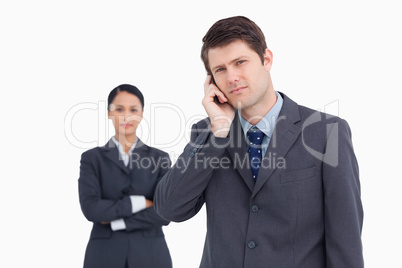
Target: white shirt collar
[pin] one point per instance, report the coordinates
(123, 155)
(268, 122)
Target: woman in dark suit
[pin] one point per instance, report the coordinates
(116, 188)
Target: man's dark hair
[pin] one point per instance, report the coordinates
(127, 88)
(228, 30)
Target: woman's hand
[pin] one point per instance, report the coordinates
(148, 203)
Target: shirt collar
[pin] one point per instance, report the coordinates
(120, 147)
(268, 122)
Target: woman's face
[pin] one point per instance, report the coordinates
(126, 113)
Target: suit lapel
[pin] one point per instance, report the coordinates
(238, 150)
(111, 152)
(140, 150)
(284, 136)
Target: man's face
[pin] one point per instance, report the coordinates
(240, 74)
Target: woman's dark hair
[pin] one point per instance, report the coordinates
(228, 30)
(127, 88)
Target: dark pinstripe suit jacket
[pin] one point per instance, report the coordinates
(304, 211)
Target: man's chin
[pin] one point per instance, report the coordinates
(239, 104)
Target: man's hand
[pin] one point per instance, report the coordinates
(221, 114)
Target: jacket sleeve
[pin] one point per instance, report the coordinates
(343, 207)
(94, 207)
(148, 218)
(180, 194)
(145, 219)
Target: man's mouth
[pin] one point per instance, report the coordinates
(237, 90)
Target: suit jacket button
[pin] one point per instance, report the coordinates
(255, 208)
(251, 244)
(192, 155)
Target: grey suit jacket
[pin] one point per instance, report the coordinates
(304, 210)
(105, 185)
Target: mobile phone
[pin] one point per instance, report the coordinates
(213, 82)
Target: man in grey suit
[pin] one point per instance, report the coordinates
(280, 181)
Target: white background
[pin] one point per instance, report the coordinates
(58, 57)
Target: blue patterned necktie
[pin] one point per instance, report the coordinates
(255, 137)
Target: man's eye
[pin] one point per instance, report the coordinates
(119, 109)
(133, 110)
(220, 69)
(240, 62)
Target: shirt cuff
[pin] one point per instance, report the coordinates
(138, 203)
(118, 224)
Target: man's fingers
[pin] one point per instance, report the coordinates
(211, 90)
(207, 83)
(216, 92)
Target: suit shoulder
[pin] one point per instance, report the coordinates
(159, 152)
(154, 150)
(308, 114)
(91, 153)
(202, 124)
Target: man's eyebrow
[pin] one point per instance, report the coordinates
(237, 59)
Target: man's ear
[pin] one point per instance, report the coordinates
(268, 59)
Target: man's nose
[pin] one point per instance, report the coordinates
(232, 76)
